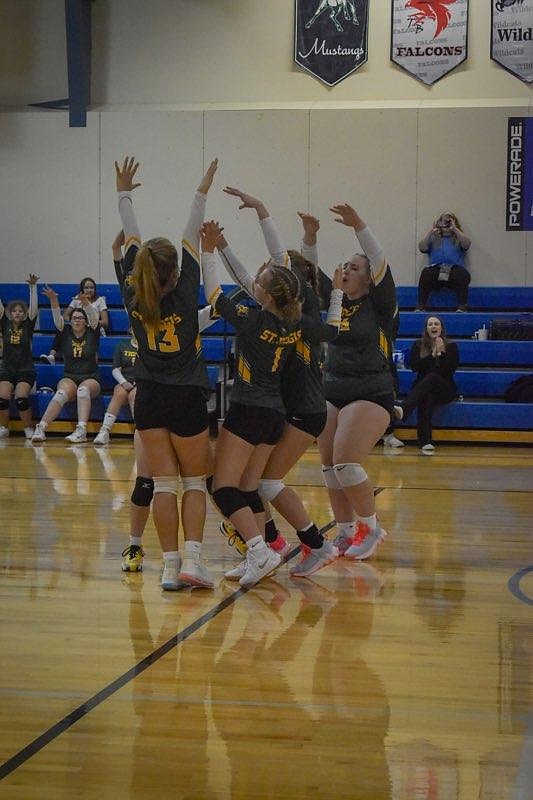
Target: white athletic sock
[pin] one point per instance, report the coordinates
(136, 540)
(43, 424)
(109, 419)
(82, 424)
(346, 529)
(171, 555)
(370, 521)
(193, 549)
(256, 545)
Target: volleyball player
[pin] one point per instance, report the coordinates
(17, 372)
(170, 407)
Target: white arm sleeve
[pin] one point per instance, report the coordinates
(310, 252)
(128, 219)
(59, 322)
(209, 272)
(118, 376)
(335, 308)
(204, 318)
(236, 270)
(191, 233)
(374, 252)
(33, 308)
(273, 242)
(93, 315)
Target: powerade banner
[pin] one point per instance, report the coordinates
(512, 37)
(429, 37)
(519, 204)
(330, 37)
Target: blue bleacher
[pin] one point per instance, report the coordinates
(486, 367)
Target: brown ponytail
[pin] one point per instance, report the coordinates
(155, 268)
(307, 268)
(284, 288)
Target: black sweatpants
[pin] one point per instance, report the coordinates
(458, 282)
(432, 390)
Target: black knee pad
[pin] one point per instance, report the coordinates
(23, 403)
(4, 404)
(209, 484)
(143, 492)
(229, 499)
(254, 501)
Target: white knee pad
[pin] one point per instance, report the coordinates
(83, 393)
(195, 483)
(166, 484)
(330, 479)
(350, 474)
(269, 489)
(60, 397)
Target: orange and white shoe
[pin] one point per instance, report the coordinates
(365, 542)
(314, 559)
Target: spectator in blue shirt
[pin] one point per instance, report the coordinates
(446, 245)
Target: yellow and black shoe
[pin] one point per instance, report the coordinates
(132, 558)
(233, 536)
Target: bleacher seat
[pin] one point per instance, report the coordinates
(486, 367)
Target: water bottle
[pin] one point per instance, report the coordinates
(460, 398)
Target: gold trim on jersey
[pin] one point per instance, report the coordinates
(303, 352)
(378, 277)
(198, 344)
(244, 370)
(191, 249)
(131, 240)
(384, 345)
(214, 297)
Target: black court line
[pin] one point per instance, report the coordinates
(81, 711)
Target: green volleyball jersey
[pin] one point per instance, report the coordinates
(17, 355)
(124, 358)
(80, 353)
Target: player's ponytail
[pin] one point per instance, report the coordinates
(154, 271)
(284, 288)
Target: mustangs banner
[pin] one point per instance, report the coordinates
(512, 36)
(429, 37)
(519, 201)
(330, 37)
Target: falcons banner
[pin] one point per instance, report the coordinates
(330, 37)
(512, 37)
(429, 37)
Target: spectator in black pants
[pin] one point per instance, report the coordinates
(435, 359)
(446, 245)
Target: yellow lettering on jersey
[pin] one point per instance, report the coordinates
(304, 352)
(164, 337)
(131, 354)
(274, 338)
(244, 370)
(77, 349)
(15, 335)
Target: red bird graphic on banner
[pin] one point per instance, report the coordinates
(431, 9)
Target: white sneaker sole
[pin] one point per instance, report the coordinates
(316, 568)
(195, 582)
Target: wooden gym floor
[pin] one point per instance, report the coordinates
(408, 677)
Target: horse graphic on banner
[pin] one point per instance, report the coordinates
(335, 7)
(501, 4)
(431, 10)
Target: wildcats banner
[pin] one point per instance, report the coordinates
(512, 37)
(429, 37)
(330, 37)
(519, 205)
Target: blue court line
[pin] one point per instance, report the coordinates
(514, 585)
(78, 713)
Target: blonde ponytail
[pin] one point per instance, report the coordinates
(154, 269)
(284, 287)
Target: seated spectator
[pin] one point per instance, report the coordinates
(435, 359)
(17, 373)
(446, 246)
(79, 345)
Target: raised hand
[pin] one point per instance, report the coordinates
(338, 276)
(126, 174)
(440, 347)
(310, 224)
(207, 180)
(347, 216)
(50, 293)
(211, 236)
(246, 199)
(32, 279)
(84, 298)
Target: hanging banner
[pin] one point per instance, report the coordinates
(519, 200)
(330, 37)
(429, 37)
(512, 37)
